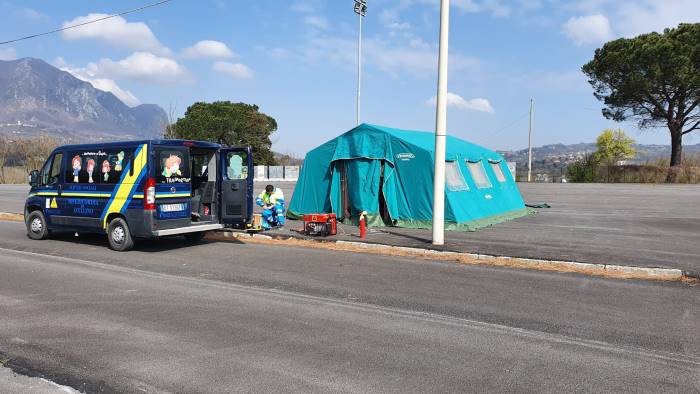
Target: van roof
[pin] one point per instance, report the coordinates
(118, 144)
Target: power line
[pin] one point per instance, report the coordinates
(519, 118)
(86, 23)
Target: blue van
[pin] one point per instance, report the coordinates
(141, 189)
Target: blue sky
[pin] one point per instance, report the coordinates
(297, 60)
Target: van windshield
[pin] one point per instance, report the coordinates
(173, 166)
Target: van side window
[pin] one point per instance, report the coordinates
(173, 166)
(114, 164)
(96, 165)
(55, 169)
(51, 170)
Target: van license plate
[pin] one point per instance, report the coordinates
(173, 207)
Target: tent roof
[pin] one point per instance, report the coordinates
(426, 141)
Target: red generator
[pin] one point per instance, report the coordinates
(321, 224)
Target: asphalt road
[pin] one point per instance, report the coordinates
(626, 224)
(12, 198)
(225, 316)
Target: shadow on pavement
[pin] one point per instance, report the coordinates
(141, 245)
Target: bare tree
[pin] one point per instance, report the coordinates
(289, 159)
(35, 151)
(169, 131)
(5, 151)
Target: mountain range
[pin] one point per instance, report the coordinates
(38, 98)
(566, 153)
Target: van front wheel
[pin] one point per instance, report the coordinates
(36, 226)
(119, 235)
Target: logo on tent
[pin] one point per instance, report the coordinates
(405, 156)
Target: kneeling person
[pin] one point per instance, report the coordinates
(272, 202)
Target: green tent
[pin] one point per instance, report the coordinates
(389, 174)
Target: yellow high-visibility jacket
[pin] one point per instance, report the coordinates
(270, 199)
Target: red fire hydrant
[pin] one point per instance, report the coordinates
(363, 225)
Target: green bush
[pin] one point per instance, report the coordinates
(585, 170)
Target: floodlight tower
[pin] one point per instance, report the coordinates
(361, 11)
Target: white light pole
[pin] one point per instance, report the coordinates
(361, 11)
(529, 142)
(440, 129)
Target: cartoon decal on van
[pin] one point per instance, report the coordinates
(105, 170)
(120, 159)
(90, 169)
(76, 168)
(172, 166)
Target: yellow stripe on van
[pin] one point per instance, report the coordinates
(126, 185)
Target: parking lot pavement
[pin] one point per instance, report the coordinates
(627, 224)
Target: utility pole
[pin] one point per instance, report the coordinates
(441, 128)
(361, 11)
(529, 142)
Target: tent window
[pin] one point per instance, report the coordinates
(453, 177)
(498, 170)
(478, 173)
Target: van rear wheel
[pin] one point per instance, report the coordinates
(195, 237)
(119, 235)
(36, 226)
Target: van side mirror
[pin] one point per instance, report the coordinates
(34, 178)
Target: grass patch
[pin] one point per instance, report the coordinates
(12, 217)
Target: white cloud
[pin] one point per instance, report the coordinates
(456, 101)
(31, 14)
(644, 16)
(236, 70)
(530, 5)
(208, 49)
(419, 60)
(630, 18)
(275, 53)
(8, 53)
(116, 32)
(316, 21)
(398, 25)
(304, 6)
(142, 66)
(590, 29)
(104, 84)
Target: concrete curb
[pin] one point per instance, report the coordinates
(612, 270)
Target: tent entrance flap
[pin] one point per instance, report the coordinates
(359, 187)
